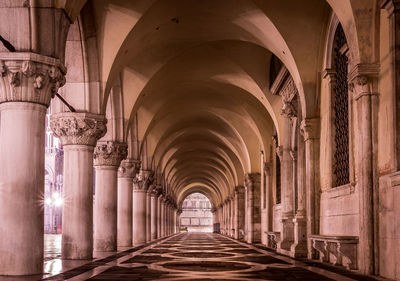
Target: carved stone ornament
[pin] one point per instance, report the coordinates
(143, 180)
(29, 77)
(238, 189)
(109, 153)
(250, 180)
(309, 128)
(78, 128)
(289, 94)
(128, 168)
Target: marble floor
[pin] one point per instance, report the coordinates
(187, 256)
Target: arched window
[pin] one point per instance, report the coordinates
(341, 170)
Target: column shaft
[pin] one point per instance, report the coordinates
(139, 216)
(154, 217)
(124, 223)
(21, 188)
(105, 209)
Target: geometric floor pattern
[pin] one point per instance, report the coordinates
(199, 256)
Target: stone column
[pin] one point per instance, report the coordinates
(78, 133)
(107, 157)
(268, 195)
(299, 247)
(148, 215)
(154, 214)
(363, 85)
(159, 207)
(287, 232)
(27, 83)
(162, 216)
(232, 216)
(239, 208)
(253, 212)
(141, 183)
(126, 172)
(311, 140)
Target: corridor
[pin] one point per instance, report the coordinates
(200, 256)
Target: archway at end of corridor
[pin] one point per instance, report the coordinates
(196, 214)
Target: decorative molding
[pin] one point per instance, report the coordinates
(143, 180)
(78, 128)
(310, 128)
(29, 77)
(128, 168)
(362, 78)
(238, 189)
(391, 6)
(109, 153)
(251, 179)
(279, 80)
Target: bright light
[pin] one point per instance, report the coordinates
(48, 201)
(56, 195)
(58, 202)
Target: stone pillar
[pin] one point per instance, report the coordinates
(162, 216)
(363, 85)
(253, 212)
(154, 214)
(78, 133)
(232, 216)
(27, 83)
(310, 131)
(299, 247)
(287, 232)
(107, 157)
(141, 183)
(239, 208)
(159, 207)
(126, 172)
(268, 195)
(148, 215)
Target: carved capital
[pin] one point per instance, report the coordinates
(143, 180)
(289, 94)
(251, 179)
(391, 6)
(279, 151)
(309, 128)
(78, 128)
(238, 189)
(128, 168)
(267, 168)
(29, 77)
(109, 153)
(363, 80)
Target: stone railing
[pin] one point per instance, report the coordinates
(336, 249)
(273, 239)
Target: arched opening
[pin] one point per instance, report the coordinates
(196, 214)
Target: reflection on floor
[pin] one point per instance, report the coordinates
(196, 256)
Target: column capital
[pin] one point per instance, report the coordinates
(78, 128)
(128, 168)
(143, 180)
(30, 77)
(329, 74)
(391, 6)
(363, 80)
(109, 153)
(250, 179)
(310, 128)
(267, 168)
(238, 189)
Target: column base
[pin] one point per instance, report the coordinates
(287, 239)
(299, 248)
